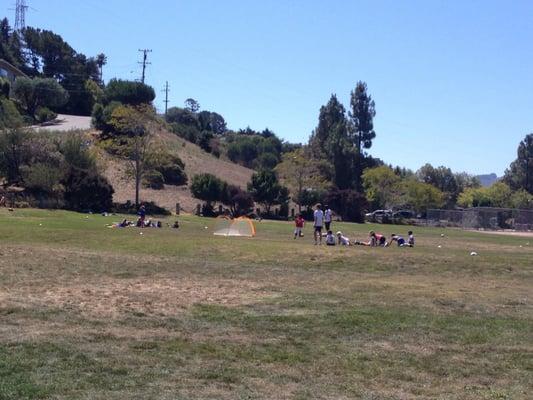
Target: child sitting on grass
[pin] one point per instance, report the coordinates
(330, 239)
(374, 240)
(398, 239)
(342, 240)
(410, 239)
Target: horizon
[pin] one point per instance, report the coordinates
(436, 89)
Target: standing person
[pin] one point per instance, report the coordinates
(327, 217)
(318, 217)
(299, 225)
(142, 215)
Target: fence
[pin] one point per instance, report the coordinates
(483, 218)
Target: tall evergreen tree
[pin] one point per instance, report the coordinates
(519, 175)
(331, 141)
(362, 113)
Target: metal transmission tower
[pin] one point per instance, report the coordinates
(166, 90)
(20, 14)
(144, 61)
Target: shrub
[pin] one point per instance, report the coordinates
(39, 92)
(154, 180)
(44, 114)
(129, 208)
(9, 115)
(88, 191)
(128, 92)
(5, 88)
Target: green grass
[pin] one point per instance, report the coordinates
(91, 312)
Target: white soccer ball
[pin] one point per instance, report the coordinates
(473, 253)
(442, 235)
(439, 246)
(140, 233)
(205, 227)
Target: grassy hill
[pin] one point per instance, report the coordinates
(196, 161)
(91, 312)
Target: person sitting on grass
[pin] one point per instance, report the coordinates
(342, 240)
(410, 239)
(330, 239)
(299, 223)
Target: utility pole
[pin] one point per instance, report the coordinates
(144, 62)
(166, 90)
(20, 14)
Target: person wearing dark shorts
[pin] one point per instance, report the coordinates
(318, 223)
(327, 218)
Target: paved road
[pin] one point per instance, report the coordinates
(66, 123)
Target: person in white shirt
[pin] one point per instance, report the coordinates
(327, 218)
(318, 223)
(342, 240)
(330, 239)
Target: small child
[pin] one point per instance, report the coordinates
(342, 240)
(410, 239)
(398, 239)
(299, 223)
(330, 239)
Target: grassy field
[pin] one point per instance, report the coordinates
(88, 312)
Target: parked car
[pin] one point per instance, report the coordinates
(403, 214)
(379, 216)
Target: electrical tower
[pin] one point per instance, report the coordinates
(144, 61)
(166, 90)
(20, 14)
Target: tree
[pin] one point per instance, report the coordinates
(522, 199)
(348, 203)
(331, 141)
(38, 92)
(87, 190)
(239, 201)
(9, 115)
(192, 105)
(300, 172)
(265, 189)
(128, 92)
(382, 187)
(362, 113)
(14, 153)
(422, 196)
(519, 175)
(210, 189)
(136, 123)
(211, 121)
(101, 60)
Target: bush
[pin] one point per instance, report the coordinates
(154, 180)
(44, 114)
(128, 92)
(9, 115)
(130, 208)
(5, 88)
(88, 191)
(39, 92)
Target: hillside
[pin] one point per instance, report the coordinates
(487, 179)
(196, 161)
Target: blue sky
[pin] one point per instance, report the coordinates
(452, 80)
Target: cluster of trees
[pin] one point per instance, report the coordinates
(264, 189)
(44, 54)
(246, 147)
(200, 127)
(56, 172)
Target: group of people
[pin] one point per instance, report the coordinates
(322, 221)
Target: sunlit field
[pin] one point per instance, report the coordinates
(88, 312)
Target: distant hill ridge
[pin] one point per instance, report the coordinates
(488, 179)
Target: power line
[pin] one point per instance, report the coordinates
(144, 61)
(166, 90)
